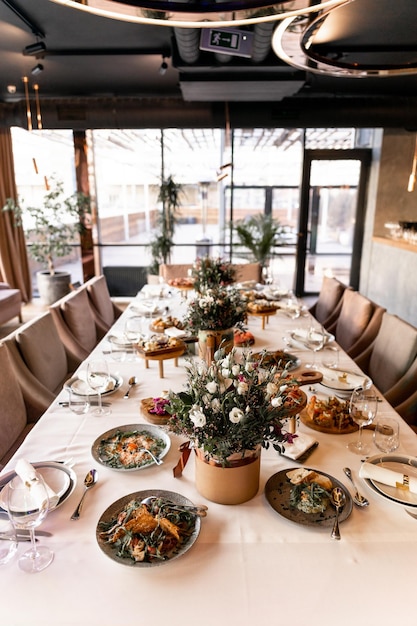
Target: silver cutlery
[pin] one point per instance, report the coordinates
(132, 382)
(338, 500)
(23, 535)
(92, 403)
(89, 481)
(358, 498)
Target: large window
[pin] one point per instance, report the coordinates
(127, 166)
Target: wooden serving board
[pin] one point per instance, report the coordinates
(307, 421)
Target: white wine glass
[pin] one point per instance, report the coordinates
(387, 434)
(362, 409)
(316, 338)
(98, 378)
(27, 505)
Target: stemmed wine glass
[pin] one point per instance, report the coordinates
(28, 504)
(316, 338)
(98, 377)
(362, 409)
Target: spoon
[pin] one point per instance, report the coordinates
(155, 458)
(132, 382)
(358, 498)
(338, 499)
(89, 481)
(200, 510)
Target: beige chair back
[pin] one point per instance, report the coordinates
(180, 270)
(329, 302)
(247, 272)
(391, 354)
(75, 323)
(13, 420)
(358, 322)
(104, 311)
(40, 361)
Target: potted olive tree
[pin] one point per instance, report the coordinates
(52, 228)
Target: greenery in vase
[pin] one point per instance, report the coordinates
(208, 273)
(215, 309)
(233, 405)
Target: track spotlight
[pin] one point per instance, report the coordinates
(37, 69)
(37, 49)
(164, 67)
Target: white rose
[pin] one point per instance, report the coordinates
(271, 389)
(242, 388)
(197, 417)
(235, 370)
(211, 387)
(215, 405)
(236, 415)
(276, 402)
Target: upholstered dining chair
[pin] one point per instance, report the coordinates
(358, 322)
(40, 362)
(247, 271)
(105, 311)
(327, 307)
(389, 358)
(75, 323)
(16, 418)
(176, 270)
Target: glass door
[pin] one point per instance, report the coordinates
(331, 221)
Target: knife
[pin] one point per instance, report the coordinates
(92, 403)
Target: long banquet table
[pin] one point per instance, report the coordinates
(249, 564)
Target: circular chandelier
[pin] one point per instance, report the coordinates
(199, 13)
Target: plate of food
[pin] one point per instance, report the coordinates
(330, 415)
(143, 536)
(278, 358)
(261, 307)
(59, 477)
(153, 410)
(81, 387)
(161, 324)
(131, 447)
(303, 495)
(160, 346)
(344, 380)
(402, 465)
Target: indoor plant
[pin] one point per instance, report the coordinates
(52, 228)
(228, 411)
(166, 219)
(259, 234)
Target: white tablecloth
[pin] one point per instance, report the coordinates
(249, 564)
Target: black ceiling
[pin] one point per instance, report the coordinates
(99, 72)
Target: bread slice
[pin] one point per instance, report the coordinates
(301, 475)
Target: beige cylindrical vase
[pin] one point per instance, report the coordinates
(234, 484)
(209, 341)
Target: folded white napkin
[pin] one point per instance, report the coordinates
(81, 386)
(387, 476)
(172, 331)
(27, 473)
(300, 445)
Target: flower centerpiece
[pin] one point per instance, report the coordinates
(208, 273)
(229, 410)
(212, 315)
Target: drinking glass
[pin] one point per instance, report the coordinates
(362, 409)
(98, 377)
(387, 434)
(78, 404)
(8, 543)
(135, 328)
(27, 504)
(330, 358)
(316, 338)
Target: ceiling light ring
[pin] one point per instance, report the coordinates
(205, 20)
(328, 69)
